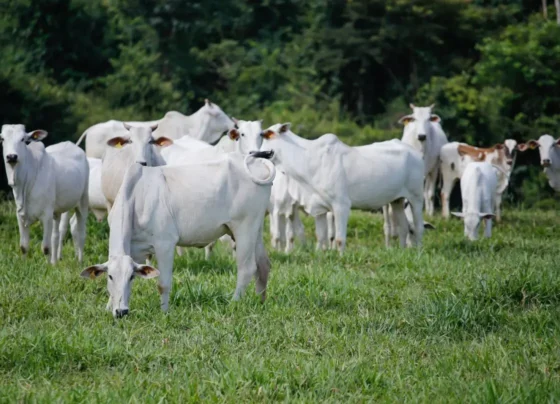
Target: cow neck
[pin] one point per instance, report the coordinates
(27, 178)
(294, 162)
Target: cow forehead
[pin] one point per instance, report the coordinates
(546, 141)
(422, 112)
(120, 264)
(143, 134)
(11, 130)
(510, 144)
(250, 126)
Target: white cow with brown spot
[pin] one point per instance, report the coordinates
(549, 150)
(455, 156)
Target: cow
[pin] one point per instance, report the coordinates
(46, 182)
(339, 177)
(549, 150)
(158, 208)
(422, 130)
(207, 124)
(478, 189)
(138, 145)
(455, 157)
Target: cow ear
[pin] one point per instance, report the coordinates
(94, 271)
(533, 144)
(458, 214)
(435, 118)
(36, 135)
(233, 134)
(405, 120)
(486, 215)
(117, 142)
(557, 141)
(522, 147)
(126, 126)
(285, 127)
(268, 134)
(208, 102)
(499, 146)
(154, 127)
(146, 271)
(163, 141)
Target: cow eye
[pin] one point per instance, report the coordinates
(242, 134)
(110, 277)
(152, 141)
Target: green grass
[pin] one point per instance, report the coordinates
(456, 321)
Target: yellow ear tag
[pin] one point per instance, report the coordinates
(118, 146)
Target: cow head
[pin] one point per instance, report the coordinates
(510, 147)
(472, 222)
(141, 140)
(418, 125)
(15, 142)
(121, 270)
(272, 135)
(546, 144)
(248, 135)
(213, 123)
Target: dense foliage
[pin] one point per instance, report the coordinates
(345, 66)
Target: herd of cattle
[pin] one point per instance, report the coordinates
(177, 182)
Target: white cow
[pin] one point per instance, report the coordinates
(478, 189)
(422, 130)
(455, 157)
(46, 182)
(339, 177)
(207, 124)
(136, 145)
(549, 150)
(159, 208)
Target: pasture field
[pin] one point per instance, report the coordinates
(454, 322)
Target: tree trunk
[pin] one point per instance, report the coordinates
(544, 9)
(557, 5)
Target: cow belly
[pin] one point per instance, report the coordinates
(202, 236)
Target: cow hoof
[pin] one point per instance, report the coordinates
(46, 250)
(23, 250)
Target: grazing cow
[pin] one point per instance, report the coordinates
(422, 130)
(478, 189)
(159, 208)
(455, 157)
(136, 146)
(549, 150)
(46, 182)
(207, 124)
(339, 177)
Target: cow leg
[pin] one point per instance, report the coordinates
(341, 215)
(418, 221)
(55, 238)
(164, 256)
(429, 192)
(246, 239)
(275, 233)
(23, 236)
(289, 226)
(180, 251)
(387, 225)
(299, 229)
(263, 267)
(331, 230)
(400, 219)
(208, 250)
(446, 188)
(498, 207)
(47, 233)
(488, 228)
(63, 229)
(321, 231)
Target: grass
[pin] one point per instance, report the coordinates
(456, 321)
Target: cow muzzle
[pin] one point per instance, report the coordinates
(121, 313)
(546, 163)
(12, 159)
(421, 138)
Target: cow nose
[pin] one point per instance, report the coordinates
(121, 313)
(143, 163)
(12, 158)
(421, 137)
(546, 162)
(509, 162)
